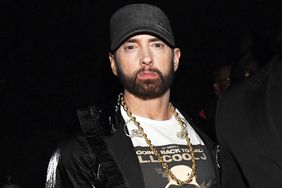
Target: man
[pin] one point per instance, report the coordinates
(249, 130)
(142, 140)
(252, 58)
(222, 79)
(220, 82)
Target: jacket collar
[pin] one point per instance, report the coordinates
(120, 146)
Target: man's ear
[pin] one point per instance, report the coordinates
(113, 63)
(176, 58)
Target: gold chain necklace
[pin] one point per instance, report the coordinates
(157, 153)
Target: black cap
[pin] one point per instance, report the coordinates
(139, 18)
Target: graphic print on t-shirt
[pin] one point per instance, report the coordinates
(174, 151)
(178, 159)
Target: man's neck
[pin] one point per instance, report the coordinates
(156, 109)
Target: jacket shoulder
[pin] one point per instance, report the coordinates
(74, 148)
(71, 164)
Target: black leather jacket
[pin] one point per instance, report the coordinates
(102, 155)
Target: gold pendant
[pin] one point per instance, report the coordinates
(182, 134)
(136, 133)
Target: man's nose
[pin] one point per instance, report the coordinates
(146, 56)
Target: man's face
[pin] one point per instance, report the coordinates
(222, 79)
(145, 66)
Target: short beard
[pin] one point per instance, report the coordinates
(149, 88)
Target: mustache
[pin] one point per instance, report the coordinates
(154, 70)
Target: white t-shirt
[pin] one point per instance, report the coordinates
(174, 150)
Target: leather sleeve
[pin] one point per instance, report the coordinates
(52, 180)
(72, 166)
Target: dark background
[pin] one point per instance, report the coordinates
(54, 60)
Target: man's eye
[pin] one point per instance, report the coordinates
(158, 45)
(129, 47)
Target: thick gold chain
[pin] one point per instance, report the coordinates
(157, 153)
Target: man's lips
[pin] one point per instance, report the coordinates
(147, 74)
